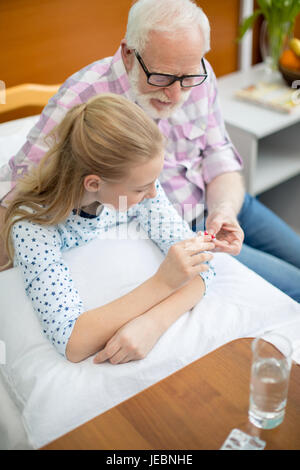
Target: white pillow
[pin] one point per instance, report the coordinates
(13, 136)
(55, 396)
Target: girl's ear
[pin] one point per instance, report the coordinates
(92, 183)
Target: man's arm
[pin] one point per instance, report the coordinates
(226, 191)
(225, 196)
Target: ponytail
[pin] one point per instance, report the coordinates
(105, 136)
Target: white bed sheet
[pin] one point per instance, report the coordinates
(13, 435)
(13, 136)
(54, 396)
(42, 396)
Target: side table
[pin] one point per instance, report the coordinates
(195, 408)
(267, 140)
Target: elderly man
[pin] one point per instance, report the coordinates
(160, 65)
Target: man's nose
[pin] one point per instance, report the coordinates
(173, 92)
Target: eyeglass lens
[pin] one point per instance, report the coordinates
(163, 80)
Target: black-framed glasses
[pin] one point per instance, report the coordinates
(165, 80)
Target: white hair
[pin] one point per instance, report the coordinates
(165, 16)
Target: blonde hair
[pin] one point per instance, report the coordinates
(105, 137)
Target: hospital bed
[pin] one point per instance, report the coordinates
(43, 396)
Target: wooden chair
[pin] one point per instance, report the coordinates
(28, 94)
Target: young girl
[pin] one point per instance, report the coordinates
(103, 152)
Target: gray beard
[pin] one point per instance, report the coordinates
(144, 99)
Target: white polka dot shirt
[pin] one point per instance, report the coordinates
(47, 280)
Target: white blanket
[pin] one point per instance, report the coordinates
(54, 396)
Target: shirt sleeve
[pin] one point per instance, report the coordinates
(47, 280)
(165, 226)
(220, 155)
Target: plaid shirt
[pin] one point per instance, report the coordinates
(198, 148)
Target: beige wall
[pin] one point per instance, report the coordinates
(45, 42)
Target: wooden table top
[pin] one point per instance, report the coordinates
(194, 408)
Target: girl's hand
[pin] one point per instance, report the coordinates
(185, 260)
(131, 342)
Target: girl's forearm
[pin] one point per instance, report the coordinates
(95, 327)
(136, 339)
(181, 301)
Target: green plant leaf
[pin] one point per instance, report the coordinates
(248, 23)
(266, 7)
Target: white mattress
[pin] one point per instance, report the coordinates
(43, 396)
(13, 136)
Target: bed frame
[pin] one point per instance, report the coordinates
(25, 100)
(28, 94)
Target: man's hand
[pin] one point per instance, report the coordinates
(225, 195)
(224, 225)
(131, 342)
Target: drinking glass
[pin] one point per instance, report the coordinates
(270, 372)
